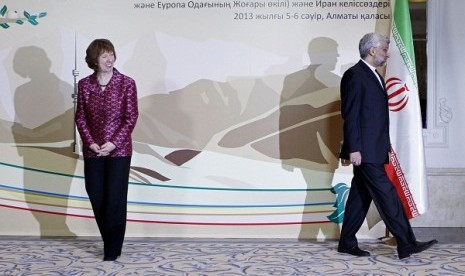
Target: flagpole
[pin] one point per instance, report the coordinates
(75, 73)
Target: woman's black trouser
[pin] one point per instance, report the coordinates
(106, 180)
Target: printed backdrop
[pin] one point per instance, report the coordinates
(239, 126)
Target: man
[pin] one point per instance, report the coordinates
(364, 109)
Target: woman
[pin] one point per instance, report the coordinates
(105, 117)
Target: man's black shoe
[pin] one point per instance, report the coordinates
(419, 247)
(355, 251)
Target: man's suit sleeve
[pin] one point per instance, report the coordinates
(351, 105)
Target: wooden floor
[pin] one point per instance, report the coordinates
(229, 257)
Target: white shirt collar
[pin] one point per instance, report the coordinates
(369, 65)
(374, 72)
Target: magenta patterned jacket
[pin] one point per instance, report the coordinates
(107, 116)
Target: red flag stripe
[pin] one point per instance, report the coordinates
(396, 175)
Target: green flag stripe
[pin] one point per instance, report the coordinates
(402, 34)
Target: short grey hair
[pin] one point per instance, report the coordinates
(371, 40)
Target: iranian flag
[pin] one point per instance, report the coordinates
(406, 168)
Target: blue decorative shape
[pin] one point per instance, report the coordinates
(32, 21)
(3, 10)
(341, 190)
(31, 18)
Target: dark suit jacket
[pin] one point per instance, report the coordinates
(364, 109)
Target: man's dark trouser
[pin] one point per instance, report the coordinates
(371, 182)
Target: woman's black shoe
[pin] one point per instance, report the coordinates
(110, 258)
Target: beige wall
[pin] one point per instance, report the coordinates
(445, 187)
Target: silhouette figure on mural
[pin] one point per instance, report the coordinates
(308, 94)
(304, 131)
(310, 126)
(41, 116)
(306, 115)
